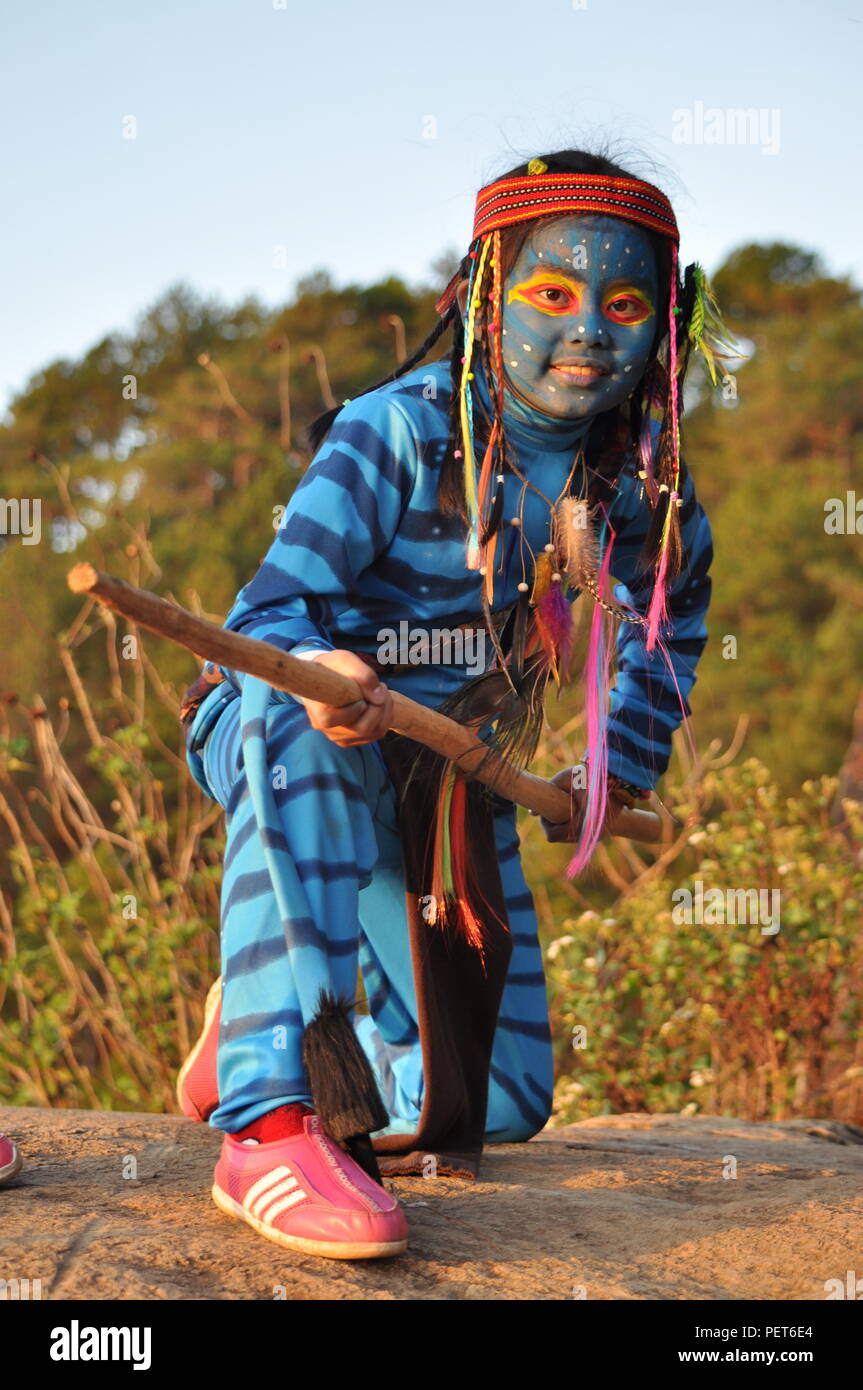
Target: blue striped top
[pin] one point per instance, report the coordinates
(362, 547)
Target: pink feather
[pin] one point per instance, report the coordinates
(657, 613)
(554, 625)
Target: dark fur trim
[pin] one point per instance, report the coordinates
(344, 1090)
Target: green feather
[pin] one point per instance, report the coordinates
(706, 331)
(446, 857)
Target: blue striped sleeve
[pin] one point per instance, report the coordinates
(343, 514)
(645, 707)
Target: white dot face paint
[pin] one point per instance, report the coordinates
(586, 321)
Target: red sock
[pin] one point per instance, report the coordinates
(278, 1124)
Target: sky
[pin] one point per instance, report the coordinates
(238, 145)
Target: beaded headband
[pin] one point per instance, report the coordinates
(509, 201)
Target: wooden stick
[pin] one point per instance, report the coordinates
(313, 681)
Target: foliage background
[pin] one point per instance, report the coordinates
(110, 863)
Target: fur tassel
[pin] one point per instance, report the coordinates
(344, 1090)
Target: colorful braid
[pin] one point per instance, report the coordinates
(466, 405)
(657, 615)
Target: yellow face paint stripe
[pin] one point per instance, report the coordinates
(546, 277)
(543, 278)
(628, 292)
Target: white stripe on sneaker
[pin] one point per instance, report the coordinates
(278, 1190)
(273, 1194)
(270, 1215)
(268, 1180)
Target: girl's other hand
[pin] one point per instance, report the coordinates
(568, 832)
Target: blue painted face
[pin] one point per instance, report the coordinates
(579, 315)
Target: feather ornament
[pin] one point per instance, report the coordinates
(554, 625)
(486, 471)
(575, 540)
(542, 571)
(657, 613)
(706, 331)
(488, 559)
(455, 887)
(495, 516)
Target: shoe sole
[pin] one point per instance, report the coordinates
(14, 1168)
(214, 999)
(330, 1249)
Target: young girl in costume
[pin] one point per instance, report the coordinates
(479, 493)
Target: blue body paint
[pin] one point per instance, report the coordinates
(579, 318)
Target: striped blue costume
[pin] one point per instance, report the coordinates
(313, 885)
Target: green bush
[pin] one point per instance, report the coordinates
(723, 1017)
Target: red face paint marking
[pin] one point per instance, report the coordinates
(627, 306)
(548, 292)
(551, 293)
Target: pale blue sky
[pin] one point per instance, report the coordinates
(289, 123)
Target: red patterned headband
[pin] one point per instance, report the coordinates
(508, 201)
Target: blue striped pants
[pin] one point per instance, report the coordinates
(315, 881)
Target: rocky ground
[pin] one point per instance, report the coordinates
(117, 1206)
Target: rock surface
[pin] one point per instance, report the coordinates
(117, 1206)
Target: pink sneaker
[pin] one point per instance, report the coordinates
(197, 1081)
(306, 1194)
(11, 1161)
